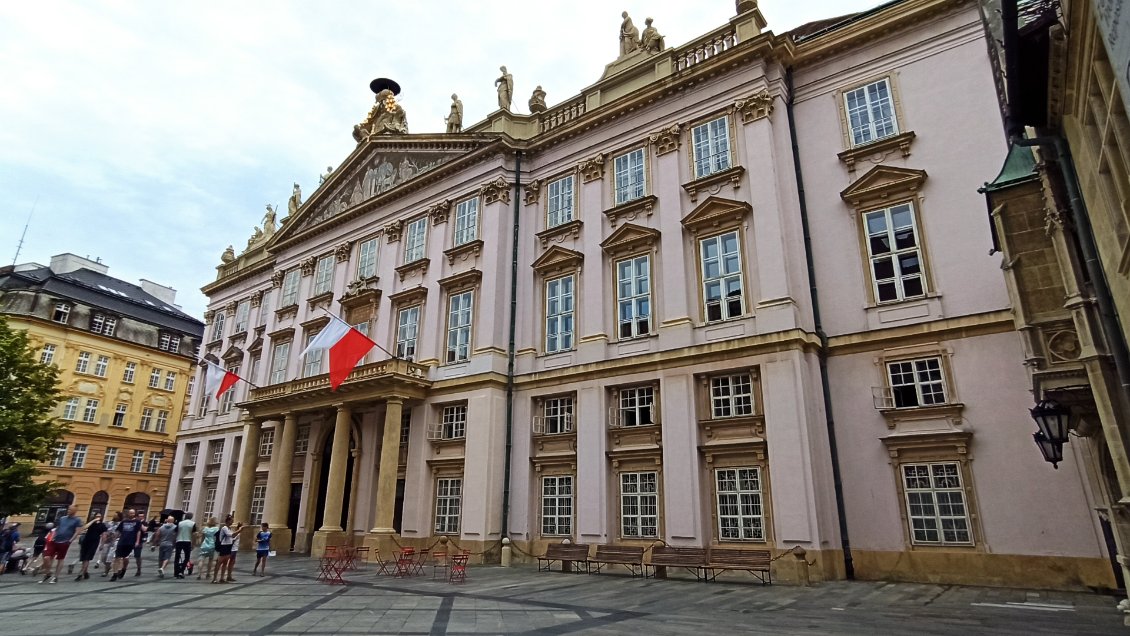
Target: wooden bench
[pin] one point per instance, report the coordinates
(628, 556)
(756, 562)
(566, 553)
(665, 556)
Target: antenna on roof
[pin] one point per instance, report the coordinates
(20, 245)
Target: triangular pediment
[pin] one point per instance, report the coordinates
(630, 237)
(380, 167)
(882, 183)
(557, 259)
(716, 213)
(232, 354)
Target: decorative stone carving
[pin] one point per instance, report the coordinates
(322, 178)
(231, 307)
(308, 266)
(650, 41)
(439, 212)
(505, 85)
(1054, 220)
(228, 255)
(463, 252)
(495, 191)
(393, 230)
(592, 169)
(293, 203)
(877, 152)
(666, 140)
(532, 192)
(454, 119)
(559, 233)
(537, 100)
(756, 107)
(631, 210)
(342, 251)
(386, 116)
(713, 183)
(277, 278)
(208, 315)
(629, 36)
(269, 219)
(256, 298)
(1064, 346)
(418, 266)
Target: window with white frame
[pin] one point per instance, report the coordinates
(895, 254)
(47, 354)
(90, 413)
(302, 440)
(415, 238)
(169, 342)
(711, 147)
(242, 316)
(635, 406)
(258, 500)
(120, 415)
(129, 372)
(559, 207)
(78, 456)
(405, 426)
(740, 515)
(209, 502)
(155, 378)
(559, 316)
(556, 416)
(633, 296)
(312, 363)
(170, 380)
(204, 403)
(278, 362)
(870, 112)
(101, 365)
(407, 327)
(935, 504)
(218, 325)
(367, 258)
(266, 442)
(453, 422)
(466, 221)
(61, 313)
(192, 386)
(137, 461)
(146, 419)
(215, 451)
(459, 326)
(917, 382)
(449, 495)
(103, 324)
(264, 303)
(639, 504)
(59, 459)
(557, 505)
(186, 496)
(253, 375)
(70, 409)
(323, 275)
(191, 453)
(722, 276)
(628, 172)
(154, 463)
(83, 362)
(731, 395)
(228, 398)
(162, 421)
(289, 295)
(110, 458)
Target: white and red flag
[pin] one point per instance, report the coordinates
(218, 380)
(346, 346)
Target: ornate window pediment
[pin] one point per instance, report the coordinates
(716, 212)
(316, 324)
(409, 296)
(630, 238)
(233, 354)
(256, 345)
(882, 184)
(632, 209)
(469, 278)
(560, 232)
(558, 259)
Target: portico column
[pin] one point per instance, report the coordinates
(248, 462)
(339, 460)
(278, 481)
(385, 501)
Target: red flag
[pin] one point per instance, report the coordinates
(346, 346)
(217, 380)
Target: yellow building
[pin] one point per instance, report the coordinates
(125, 354)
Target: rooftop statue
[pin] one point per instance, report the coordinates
(505, 85)
(651, 41)
(323, 177)
(269, 219)
(386, 116)
(537, 100)
(292, 205)
(454, 120)
(629, 35)
(228, 255)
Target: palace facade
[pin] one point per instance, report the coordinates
(738, 292)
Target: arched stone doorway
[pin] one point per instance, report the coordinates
(53, 507)
(139, 501)
(98, 504)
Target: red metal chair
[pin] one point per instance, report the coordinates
(458, 572)
(382, 565)
(330, 566)
(439, 562)
(421, 561)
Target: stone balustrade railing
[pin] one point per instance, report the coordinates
(710, 45)
(365, 372)
(562, 114)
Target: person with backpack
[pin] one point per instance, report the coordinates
(225, 540)
(7, 543)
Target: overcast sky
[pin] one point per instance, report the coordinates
(152, 134)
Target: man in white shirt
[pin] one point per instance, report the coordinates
(186, 532)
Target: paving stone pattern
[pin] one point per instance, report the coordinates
(521, 600)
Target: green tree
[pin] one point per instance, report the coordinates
(28, 432)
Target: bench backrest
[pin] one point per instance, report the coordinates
(740, 557)
(567, 551)
(624, 552)
(671, 555)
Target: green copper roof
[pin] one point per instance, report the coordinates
(1019, 166)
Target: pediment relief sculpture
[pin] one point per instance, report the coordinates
(386, 116)
(716, 212)
(495, 191)
(557, 259)
(882, 183)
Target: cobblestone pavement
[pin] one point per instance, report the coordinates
(521, 600)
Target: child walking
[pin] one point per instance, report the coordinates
(262, 550)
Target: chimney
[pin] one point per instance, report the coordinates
(66, 263)
(161, 292)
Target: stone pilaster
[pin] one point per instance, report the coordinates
(278, 481)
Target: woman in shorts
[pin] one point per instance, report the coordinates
(262, 550)
(225, 540)
(208, 548)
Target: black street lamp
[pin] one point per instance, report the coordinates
(1052, 451)
(1052, 419)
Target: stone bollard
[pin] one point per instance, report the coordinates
(801, 562)
(506, 552)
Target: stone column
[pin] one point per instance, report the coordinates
(385, 501)
(278, 481)
(331, 532)
(245, 481)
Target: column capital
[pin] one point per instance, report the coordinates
(396, 399)
(341, 406)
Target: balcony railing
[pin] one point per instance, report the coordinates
(562, 114)
(710, 45)
(360, 374)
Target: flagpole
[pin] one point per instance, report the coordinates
(207, 362)
(375, 344)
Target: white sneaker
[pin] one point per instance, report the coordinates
(161, 572)
(54, 580)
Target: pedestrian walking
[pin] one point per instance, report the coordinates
(38, 548)
(165, 538)
(225, 544)
(9, 537)
(89, 544)
(66, 529)
(262, 550)
(208, 548)
(186, 532)
(110, 543)
(130, 531)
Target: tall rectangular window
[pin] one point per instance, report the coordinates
(47, 354)
(136, 462)
(101, 365)
(228, 399)
(895, 254)
(722, 276)
(90, 413)
(459, 327)
(302, 441)
(154, 463)
(215, 451)
(170, 380)
(557, 416)
(110, 459)
(218, 325)
(129, 372)
(711, 147)
(83, 362)
(917, 382)
(242, 316)
(731, 395)
(78, 456)
(639, 505)
(61, 313)
(312, 364)
(209, 502)
(289, 295)
(266, 442)
(740, 517)
(258, 500)
(466, 221)
(559, 314)
(454, 421)
(324, 275)
(155, 378)
(58, 460)
(449, 495)
(636, 406)
(264, 303)
(407, 327)
(146, 419)
(629, 175)
(278, 362)
(870, 112)
(70, 409)
(935, 504)
(191, 453)
(367, 259)
(120, 415)
(186, 496)
(162, 421)
(559, 208)
(633, 296)
(557, 505)
(415, 238)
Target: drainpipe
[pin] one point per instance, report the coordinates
(837, 480)
(510, 349)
